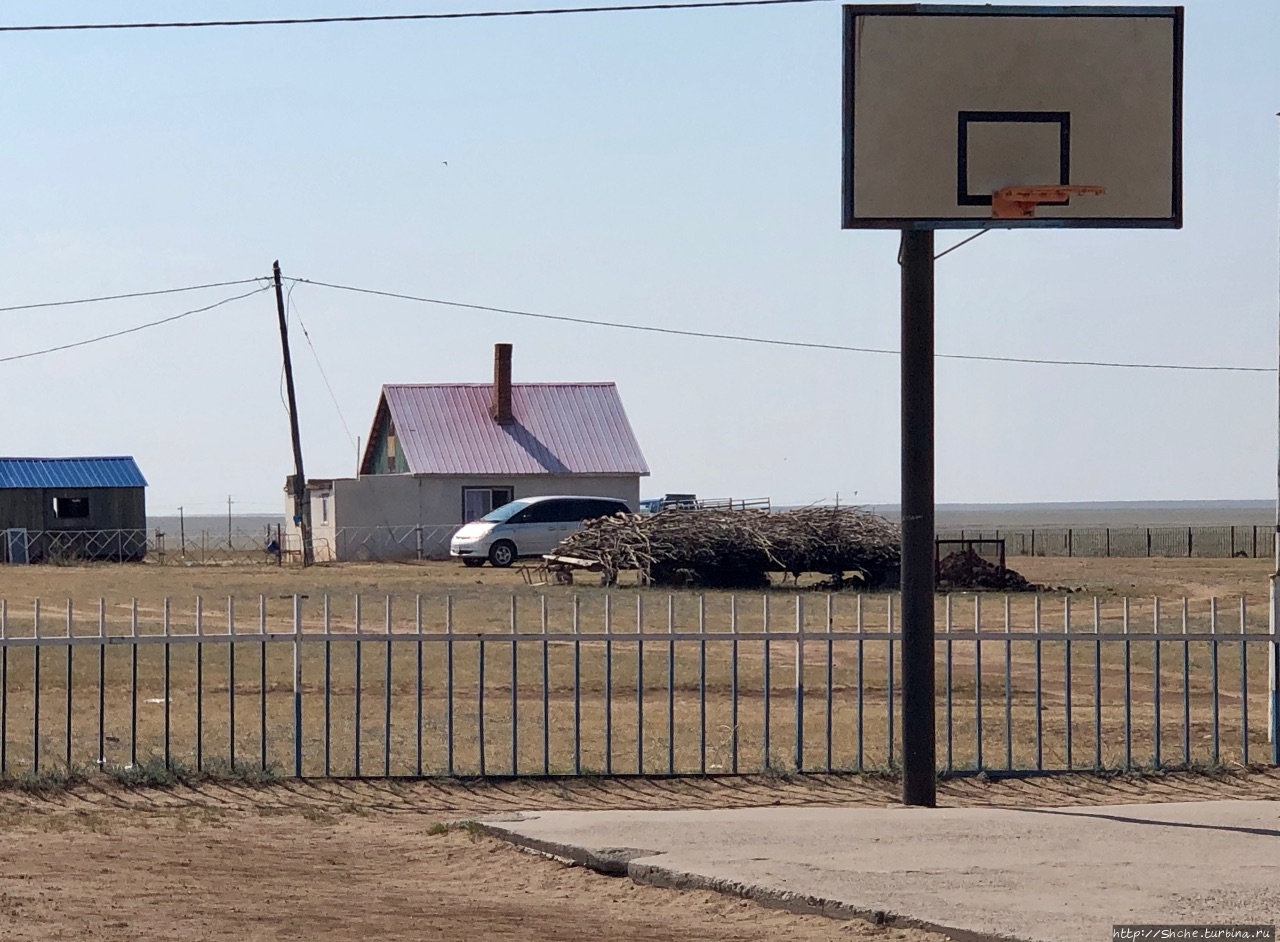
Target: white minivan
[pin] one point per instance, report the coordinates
(532, 526)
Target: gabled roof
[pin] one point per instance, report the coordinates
(559, 428)
(69, 472)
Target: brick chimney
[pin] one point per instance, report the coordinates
(502, 413)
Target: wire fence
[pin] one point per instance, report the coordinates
(1249, 541)
(615, 684)
(382, 544)
(273, 545)
(20, 546)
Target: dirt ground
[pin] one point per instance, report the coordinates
(1169, 578)
(337, 861)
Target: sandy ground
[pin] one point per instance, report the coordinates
(230, 876)
(344, 861)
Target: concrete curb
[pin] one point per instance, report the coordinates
(627, 861)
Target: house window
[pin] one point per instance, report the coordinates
(71, 508)
(478, 501)
(324, 509)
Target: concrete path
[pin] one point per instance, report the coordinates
(1058, 875)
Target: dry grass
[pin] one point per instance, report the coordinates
(1169, 578)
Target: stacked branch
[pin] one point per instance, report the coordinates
(738, 548)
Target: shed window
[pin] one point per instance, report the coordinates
(324, 509)
(71, 508)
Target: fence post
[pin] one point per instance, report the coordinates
(1070, 542)
(297, 685)
(1108, 542)
(418, 536)
(1189, 538)
(1233, 541)
(1255, 541)
(799, 684)
(1273, 674)
(1033, 541)
(1148, 542)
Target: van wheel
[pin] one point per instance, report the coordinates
(502, 554)
(472, 563)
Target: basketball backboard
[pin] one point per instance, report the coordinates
(946, 105)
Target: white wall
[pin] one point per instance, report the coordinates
(323, 526)
(397, 516)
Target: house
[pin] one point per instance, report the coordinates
(441, 455)
(72, 508)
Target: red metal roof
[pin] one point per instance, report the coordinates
(559, 428)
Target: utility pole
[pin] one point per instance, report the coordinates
(182, 532)
(301, 505)
(228, 523)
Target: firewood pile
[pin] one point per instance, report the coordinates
(968, 570)
(738, 548)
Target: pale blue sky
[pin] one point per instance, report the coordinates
(677, 169)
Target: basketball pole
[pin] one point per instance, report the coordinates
(919, 760)
(1273, 662)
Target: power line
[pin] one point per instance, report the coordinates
(742, 338)
(403, 17)
(292, 305)
(132, 330)
(134, 294)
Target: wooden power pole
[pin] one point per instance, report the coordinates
(301, 503)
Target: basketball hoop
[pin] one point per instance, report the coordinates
(1020, 202)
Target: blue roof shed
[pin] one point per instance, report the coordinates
(46, 473)
(72, 508)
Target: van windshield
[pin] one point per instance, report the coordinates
(505, 512)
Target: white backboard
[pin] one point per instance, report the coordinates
(943, 105)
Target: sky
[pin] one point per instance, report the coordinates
(676, 169)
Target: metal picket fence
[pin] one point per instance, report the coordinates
(603, 684)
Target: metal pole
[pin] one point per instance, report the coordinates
(297, 686)
(1273, 662)
(301, 505)
(918, 742)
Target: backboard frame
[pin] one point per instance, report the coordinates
(850, 219)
